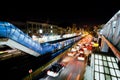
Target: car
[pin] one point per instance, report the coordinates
(55, 69)
(84, 48)
(81, 50)
(71, 53)
(81, 57)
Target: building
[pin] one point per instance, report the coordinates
(39, 29)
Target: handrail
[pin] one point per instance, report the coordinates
(115, 51)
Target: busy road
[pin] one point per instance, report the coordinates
(74, 66)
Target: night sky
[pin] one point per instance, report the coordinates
(63, 13)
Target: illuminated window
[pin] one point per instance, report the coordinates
(51, 26)
(40, 31)
(51, 31)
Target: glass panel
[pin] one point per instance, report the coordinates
(104, 58)
(100, 57)
(114, 78)
(96, 76)
(115, 65)
(21, 37)
(113, 59)
(110, 64)
(16, 33)
(105, 63)
(102, 77)
(118, 78)
(100, 62)
(96, 56)
(107, 77)
(117, 73)
(106, 70)
(101, 69)
(26, 40)
(108, 59)
(96, 68)
(112, 72)
(96, 61)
